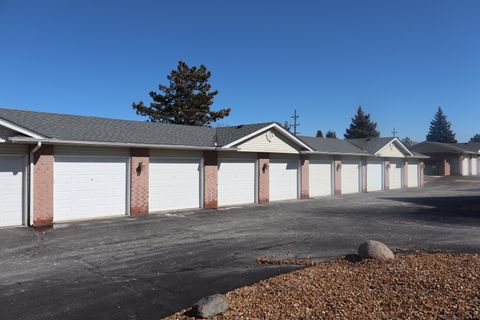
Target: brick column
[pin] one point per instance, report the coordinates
(363, 176)
(210, 182)
(43, 186)
(337, 172)
(405, 174)
(304, 192)
(421, 168)
(445, 171)
(263, 178)
(139, 186)
(386, 175)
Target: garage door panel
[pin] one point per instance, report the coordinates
(374, 175)
(474, 166)
(412, 175)
(11, 190)
(395, 174)
(89, 187)
(350, 180)
(320, 177)
(174, 184)
(283, 179)
(236, 182)
(465, 167)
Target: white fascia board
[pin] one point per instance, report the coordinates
(285, 132)
(19, 129)
(113, 144)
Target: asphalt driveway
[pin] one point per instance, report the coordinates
(149, 267)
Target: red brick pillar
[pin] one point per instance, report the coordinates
(337, 181)
(304, 192)
(363, 176)
(43, 186)
(263, 178)
(210, 182)
(422, 173)
(405, 174)
(445, 167)
(386, 175)
(139, 187)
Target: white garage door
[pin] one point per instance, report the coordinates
(236, 181)
(350, 177)
(465, 167)
(395, 174)
(475, 166)
(11, 190)
(283, 179)
(374, 175)
(412, 175)
(320, 177)
(174, 184)
(89, 187)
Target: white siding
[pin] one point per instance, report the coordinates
(350, 180)
(395, 173)
(269, 141)
(391, 150)
(320, 177)
(12, 176)
(89, 187)
(374, 175)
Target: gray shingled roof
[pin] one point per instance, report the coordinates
(226, 135)
(428, 147)
(95, 129)
(335, 146)
(468, 146)
(372, 145)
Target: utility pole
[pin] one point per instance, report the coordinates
(394, 132)
(295, 123)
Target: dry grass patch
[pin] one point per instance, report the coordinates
(413, 286)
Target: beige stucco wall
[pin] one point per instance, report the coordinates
(271, 141)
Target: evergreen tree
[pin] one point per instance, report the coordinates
(287, 125)
(319, 134)
(331, 134)
(362, 126)
(475, 138)
(186, 100)
(407, 142)
(440, 129)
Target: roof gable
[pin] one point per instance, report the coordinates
(274, 130)
(271, 140)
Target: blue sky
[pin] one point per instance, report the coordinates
(400, 60)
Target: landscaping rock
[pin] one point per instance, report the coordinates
(210, 306)
(353, 257)
(372, 249)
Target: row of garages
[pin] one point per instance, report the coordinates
(89, 183)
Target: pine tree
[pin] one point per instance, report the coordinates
(475, 138)
(331, 134)
(440, 129)
(186, 100)
(319, 134)
(362, 126)
(407, 142)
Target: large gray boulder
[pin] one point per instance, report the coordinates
(210, 306)
(372, 249)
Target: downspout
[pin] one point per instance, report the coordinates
(30, 210)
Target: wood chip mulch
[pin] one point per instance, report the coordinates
(413, 286)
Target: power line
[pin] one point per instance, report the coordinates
(295, 123)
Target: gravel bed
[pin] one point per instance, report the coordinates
(413, 286)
